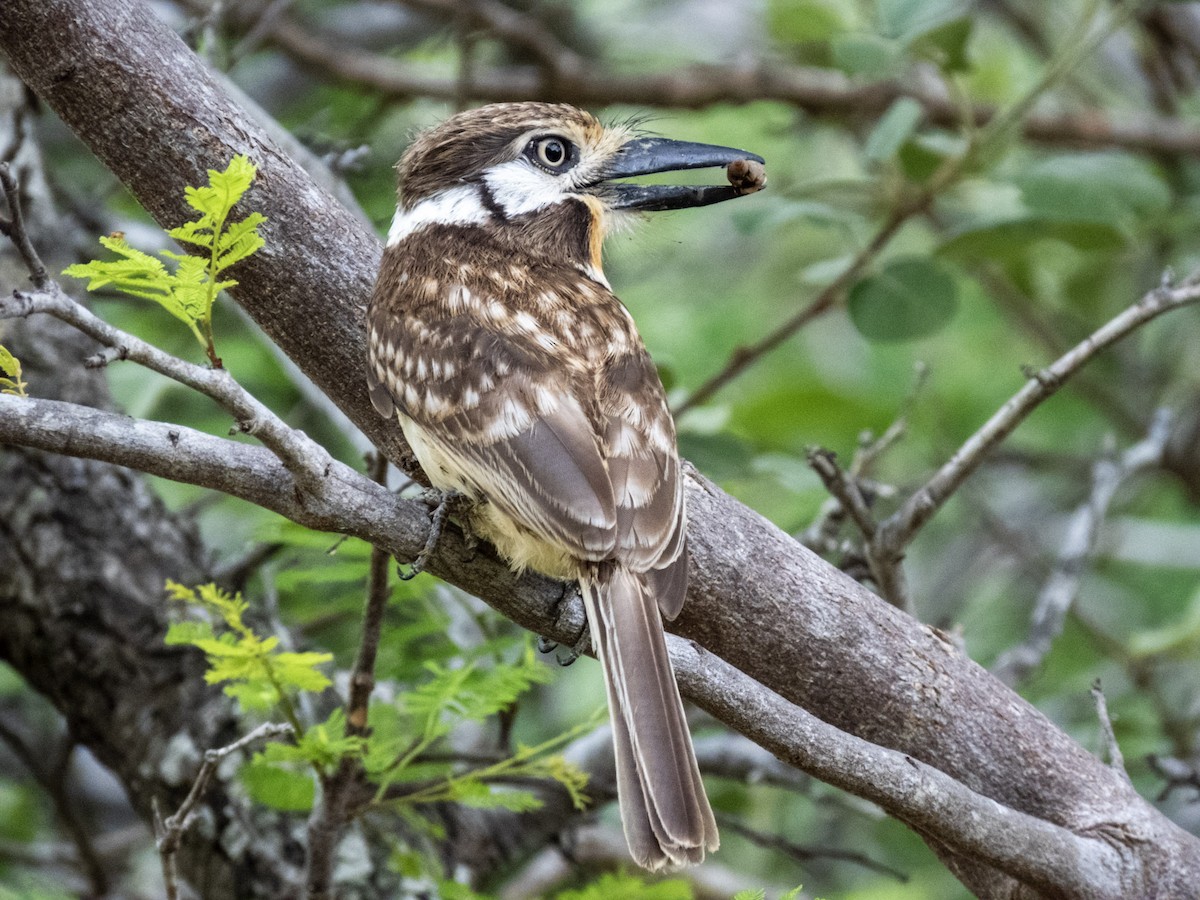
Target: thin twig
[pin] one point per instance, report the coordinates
(985, 141)
(308, 460)
(14, 228)
(1116, 759)
(898, 530)
(53, 780)
(743, 357)
(817, 91)
(331, 814)
(805, 853)
(169, 832)
(1060, 589)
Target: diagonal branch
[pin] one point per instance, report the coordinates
(1079, 541)
(304, 457)
(818, 91)
(899, 529)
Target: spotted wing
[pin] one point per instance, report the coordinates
(643, 466)
(505, 419)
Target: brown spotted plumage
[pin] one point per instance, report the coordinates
(520, 381)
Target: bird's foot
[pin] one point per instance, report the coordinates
(567, 655)
(441, 504)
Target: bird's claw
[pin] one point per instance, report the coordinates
(441, 504)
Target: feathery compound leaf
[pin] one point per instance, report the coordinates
(224, 189)
(241, 239)
(473, 792)
(188, 293)
(255, 671)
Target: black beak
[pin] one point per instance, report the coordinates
(646, 156)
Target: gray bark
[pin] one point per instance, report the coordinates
(758, 601)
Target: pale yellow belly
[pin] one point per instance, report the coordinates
(449, 471)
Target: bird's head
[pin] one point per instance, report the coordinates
(546, 172)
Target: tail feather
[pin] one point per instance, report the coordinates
(665, 812)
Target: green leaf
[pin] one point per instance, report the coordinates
(188, 292)
(224, 189)
(867, 55)
(808, 21)
(629, 887)
(473, 693)
(911, 297)
(278, 787)
(475, 793)
(1013, 238)
(188, 633)
(10, 374)
(241, 239)
(751, 894)
(907, 20)
(323, 745)
(299, 670)
(1115, 189)
(893, 129)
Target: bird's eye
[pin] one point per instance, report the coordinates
(552, 152)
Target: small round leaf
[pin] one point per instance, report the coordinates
(912, 297)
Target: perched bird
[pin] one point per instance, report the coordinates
(520, 381)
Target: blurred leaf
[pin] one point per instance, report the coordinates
(719, 456)
(1112, 188)
(805, 21)
(1181, 636)
(867, 55)
(1014, 237)
(946, 45)
(893, 129)
(907, 20)
(278, 787)
(910, 298)
(921, 156)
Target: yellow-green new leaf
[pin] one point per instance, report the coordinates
(224, 189)
(10, 374)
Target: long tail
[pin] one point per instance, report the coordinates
(664, 809)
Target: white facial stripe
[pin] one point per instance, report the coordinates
(520, 187)
(457, 206)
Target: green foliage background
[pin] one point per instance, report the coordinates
(1025, 255)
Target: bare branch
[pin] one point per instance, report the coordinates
(330, 815)
(1079, 541)
(308, 460)
(169, 832)
(1116, 760)
(14, 228)
(818, 91)
(1034, 851)
(895, 533)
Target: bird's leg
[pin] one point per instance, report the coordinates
(442, 503)
(567, 655)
